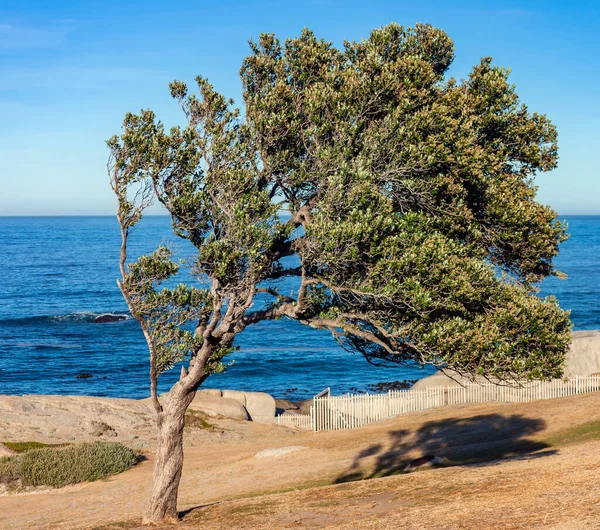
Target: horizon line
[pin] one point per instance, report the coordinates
(167, 215)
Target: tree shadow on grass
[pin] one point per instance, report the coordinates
(459, 440)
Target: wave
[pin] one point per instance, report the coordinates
(77, 316)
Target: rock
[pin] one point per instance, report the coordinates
(5, 451)
(280, 451)
(304, 406)
(109, 318)
(210, 392)
(215, 406)
(238, 395)
(99, 428)
(584, 356)
(261, 406)
(424, 461)
(283, 405)
(439, 379)
(63, 419)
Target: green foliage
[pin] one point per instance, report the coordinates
(60, 466)
(425, 240)
(78, 463)
(412, 204)
(22, 447)
(9, 471)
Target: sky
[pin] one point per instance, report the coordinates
(69, 71)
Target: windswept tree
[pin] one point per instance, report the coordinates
(411, 205)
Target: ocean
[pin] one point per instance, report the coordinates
(59, 273)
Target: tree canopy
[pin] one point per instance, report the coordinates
(409, 201)
(422, 238)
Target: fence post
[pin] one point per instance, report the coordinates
(577, 384)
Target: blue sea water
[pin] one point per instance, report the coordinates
(59, 273)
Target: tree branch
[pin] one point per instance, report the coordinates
(273, 292)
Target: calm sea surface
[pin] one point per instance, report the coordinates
(58, 274)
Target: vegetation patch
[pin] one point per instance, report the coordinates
(9, 471)
(573, 435)
(60, 466)
(197, 420)
(22, 447)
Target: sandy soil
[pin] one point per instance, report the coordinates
(537, 484)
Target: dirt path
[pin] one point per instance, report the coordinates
(222, 466)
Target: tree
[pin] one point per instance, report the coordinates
(411, 206)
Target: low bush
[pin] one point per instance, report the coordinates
(9, 470)
(22, 447)
(60, 466)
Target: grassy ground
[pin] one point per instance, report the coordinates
(22, 447)
(387, 503)
(531, 465)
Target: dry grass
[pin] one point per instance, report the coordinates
(558, 491)
(519, 466)
(197, 420)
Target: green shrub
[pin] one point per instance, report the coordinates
(9, 470)
(22, 447)
(86, 462)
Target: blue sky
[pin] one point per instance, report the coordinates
(70, 70)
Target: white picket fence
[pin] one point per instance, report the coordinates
(302, 421)
(355, 410)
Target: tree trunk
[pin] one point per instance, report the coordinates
(169, 460)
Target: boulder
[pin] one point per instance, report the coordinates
(304, 406)
(109, 318)
(261, 406)
(238, 395)
(584, 356)
(210, 392)
(283, 405)
(99, 428)
(214, 406)
(441, 379)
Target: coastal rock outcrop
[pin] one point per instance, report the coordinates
(260, 406)
(236, 404)
(108, 317)
(283, 405)
(235, 394)
(215, 406)
(99, 428)
(584, 356)
(62, 419)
